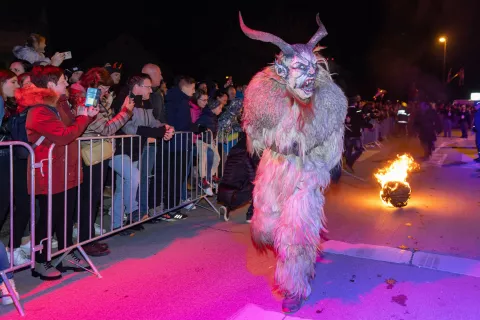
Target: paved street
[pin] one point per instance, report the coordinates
(442, 216)
(205, 268)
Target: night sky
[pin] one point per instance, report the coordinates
(386, 44)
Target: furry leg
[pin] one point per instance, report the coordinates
(266, 208)
(262, 228)
(297, 238)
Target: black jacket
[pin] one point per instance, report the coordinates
(236, 186)
(355, 122)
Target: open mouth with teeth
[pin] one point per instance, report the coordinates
(309, 85)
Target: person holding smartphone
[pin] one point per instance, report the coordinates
(34, 51)
(51, 119)
(144, 124)
(105, 124)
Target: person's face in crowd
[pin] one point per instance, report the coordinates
(116, 77)
(40, 45)
(145, 89)
(17, 68)
(163, 88)
(9, 87)
(26, 82)
(61, 87)
(232, 93)
(203, 101)
(203, 86)
(223, 99)
(76, 76)
(188, 89)
(218, 109)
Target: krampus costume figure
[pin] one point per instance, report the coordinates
(294, 117)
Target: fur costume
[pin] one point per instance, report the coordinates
(294, 117)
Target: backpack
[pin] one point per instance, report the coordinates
(18, 132)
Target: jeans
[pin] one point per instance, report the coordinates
(447, 128)
(126, 188)
(353, 150)
(4, 264)
(210, 156)
(61, 216)
(93, 196)
(174, 175)
(21, 214)
(184, 191)
(477, 141)
(464, 128)
(146, 171)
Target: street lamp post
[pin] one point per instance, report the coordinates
(444, 41)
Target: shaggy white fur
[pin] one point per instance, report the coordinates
(299, 144)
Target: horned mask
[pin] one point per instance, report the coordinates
(297, 63)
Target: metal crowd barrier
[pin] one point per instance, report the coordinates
(168, 173)
(380, 132)
(30, 170)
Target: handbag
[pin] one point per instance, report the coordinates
(95, 157)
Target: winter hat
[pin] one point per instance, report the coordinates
(72, 70)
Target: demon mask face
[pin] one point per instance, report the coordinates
(296, 64)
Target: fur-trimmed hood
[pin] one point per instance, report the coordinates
(32, 95)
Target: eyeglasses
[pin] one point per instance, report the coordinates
(150, 87)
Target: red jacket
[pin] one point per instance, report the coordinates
(42, 121)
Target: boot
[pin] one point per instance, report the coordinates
(291, 304)
(73, 263)
(6, 298)
(96, 249)
(46, 271)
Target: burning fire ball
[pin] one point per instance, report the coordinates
(396, 193)
(395, 190)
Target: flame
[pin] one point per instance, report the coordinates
(396, 174)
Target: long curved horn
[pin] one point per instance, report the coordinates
(265, 37)
(319, 35)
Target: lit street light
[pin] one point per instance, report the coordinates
(444, 41)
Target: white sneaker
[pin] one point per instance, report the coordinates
(190, 206)
(206, 187)
(98, 230)
(6, 298)
(19, 257)
(26, 248)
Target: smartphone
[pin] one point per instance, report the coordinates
(137, 100)
(93, 97)
(67, 55)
